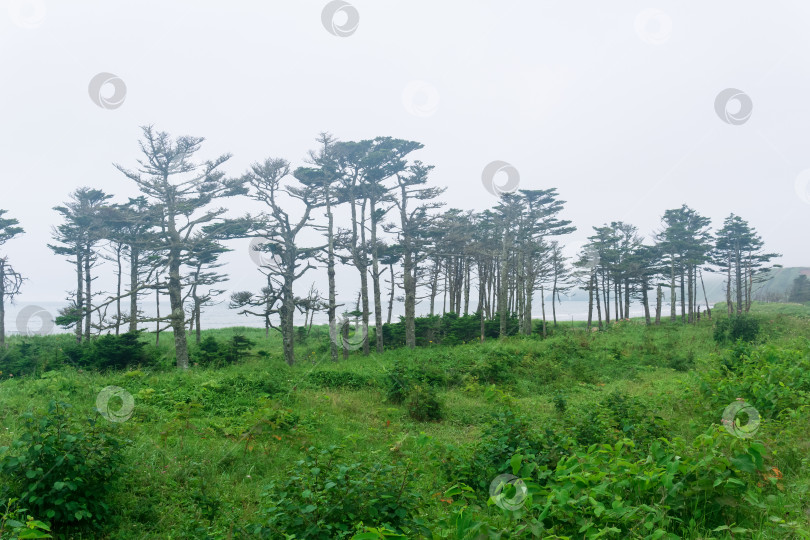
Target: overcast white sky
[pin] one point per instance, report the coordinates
(613, 103)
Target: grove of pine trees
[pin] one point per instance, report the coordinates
(400, 239)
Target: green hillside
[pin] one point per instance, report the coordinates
(779, 283)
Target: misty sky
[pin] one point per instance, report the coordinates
(613, 103)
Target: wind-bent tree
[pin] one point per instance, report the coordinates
(738, 252)
(269, 184)
(183, 191)
(324, 178)
(79, 235)
(386, 158)
(351, 159)
(562, 277)
(538, 223)
(10, 281)
(415, 200)
(203, 260)
(686, 243)
(129, 228)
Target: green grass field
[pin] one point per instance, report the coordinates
(618, 434)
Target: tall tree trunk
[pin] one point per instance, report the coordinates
(729, 303)
(617, 298)
(659, 296)
(79, 294)
(393, 289)
(467, 279)
(691, 315)
(554, 299)
(503, 292)
(434, 288)
(482, 294)
(409, 281)
(645, 300)
(176, 303)
(627, 298)
(706, 298)
(543, 308)
(590, 302)
(119, 272)
(364, 281)
(88, 281)
(197, 312)
(2, 306)
(738, 264)
(606, 293)
(157, 310)
(375, 278)
(133, 286)
(330, 273)
(286, 314)
(344, 333)
(527, 308)
(598, 303)
(444, 296)
(672, 309)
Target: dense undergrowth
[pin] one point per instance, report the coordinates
(619, 434)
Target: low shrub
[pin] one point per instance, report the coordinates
(115, 352)
(61, 469)
(423, 404)
(324, 495)
(737, 327)
(212, 352)
(340, 379)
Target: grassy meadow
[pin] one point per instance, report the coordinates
(614, 434)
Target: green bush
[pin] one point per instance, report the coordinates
(616, 417)
(497, 367)
(771, 378)
(323, 496)
(396, 383)
(738, 327)
(613, 487)
(505, 435)
(680, 361)
(62, 470)
(115, 352)
(36, 354)
(339, 379)
(214, 353)
(424, 405)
